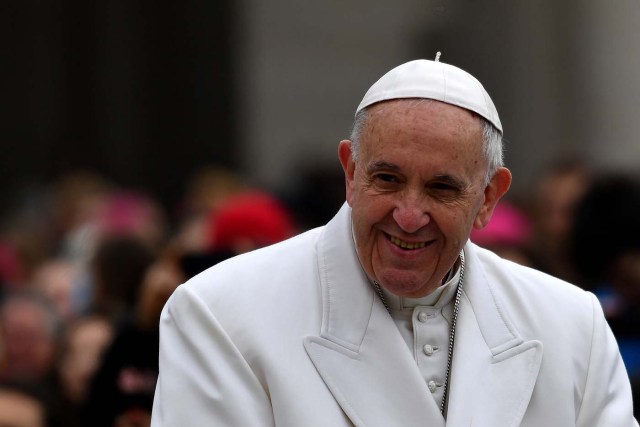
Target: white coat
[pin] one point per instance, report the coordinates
(294, 335)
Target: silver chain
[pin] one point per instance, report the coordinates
(452, 331)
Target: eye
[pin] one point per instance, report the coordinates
(444, 190)
(442, 186)
(385, 177)
(383, 181)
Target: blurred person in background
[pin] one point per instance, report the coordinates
(77, 200)
(11, 274)
(23, 406)
(130, 235)
(508, 234)
(121, 391)
(87, 273)
(247, 221)
(48, 232)
(606, 250)
(86, 340)
(556, 194)
(134, 214)
(31, 331)
(125, 218)
(207, 189)
(117, 270)
(243, 222)
(54, 279)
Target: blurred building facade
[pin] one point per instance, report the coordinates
(563, 75)
(145, 91)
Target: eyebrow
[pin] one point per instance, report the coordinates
(381, 165)
(445, 178)
(451, 181)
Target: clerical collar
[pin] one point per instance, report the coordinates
(440, 297)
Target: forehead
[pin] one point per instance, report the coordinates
(427, 124)
(424, 138)
(409, 113)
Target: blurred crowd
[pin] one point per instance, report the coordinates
(86, 267)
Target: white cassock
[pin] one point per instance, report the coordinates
(294, 335)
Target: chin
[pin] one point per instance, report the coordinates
(405, 284)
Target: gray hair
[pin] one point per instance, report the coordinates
(491, 139)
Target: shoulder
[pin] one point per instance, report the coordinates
(270, 260)
(263, 276)
(510, 276)
(252, 299)
(534, 299)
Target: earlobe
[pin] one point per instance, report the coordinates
(497, 187)
(348, 165)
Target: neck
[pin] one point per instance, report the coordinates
(437, 297)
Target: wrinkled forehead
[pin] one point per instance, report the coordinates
(406, 113)
(431, 135)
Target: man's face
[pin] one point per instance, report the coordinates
(416, 191)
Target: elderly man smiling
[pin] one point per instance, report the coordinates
(388, 315)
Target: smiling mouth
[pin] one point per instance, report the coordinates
(407, 245)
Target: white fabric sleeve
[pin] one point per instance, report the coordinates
(607, 395)
(204, 379)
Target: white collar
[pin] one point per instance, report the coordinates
(440, 297)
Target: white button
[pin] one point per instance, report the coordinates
(429, 349)
(422, 316)
(432, 386)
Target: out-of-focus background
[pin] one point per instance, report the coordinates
(144, 141)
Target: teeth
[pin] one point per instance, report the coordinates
(407, 245)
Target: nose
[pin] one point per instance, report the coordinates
(411, 214)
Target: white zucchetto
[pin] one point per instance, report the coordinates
(423, 78)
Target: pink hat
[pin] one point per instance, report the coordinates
(508, 226)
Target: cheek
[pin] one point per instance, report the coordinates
(456, 227)
(354, 190)
(375, 209)
(473, 213)
(365, 216)
(457, 224)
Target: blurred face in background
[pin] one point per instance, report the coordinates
(28, 340)
(85, 344)
(54, 279)
(557, 194)
(20, 410)
(416, 191)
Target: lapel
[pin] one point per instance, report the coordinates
(359, 352)
(494, 369)
(367, 367)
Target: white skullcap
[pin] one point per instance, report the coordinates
(433, 80)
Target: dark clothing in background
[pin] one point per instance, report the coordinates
(126, 380)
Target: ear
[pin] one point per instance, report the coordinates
(497, 187)
(349, 167)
